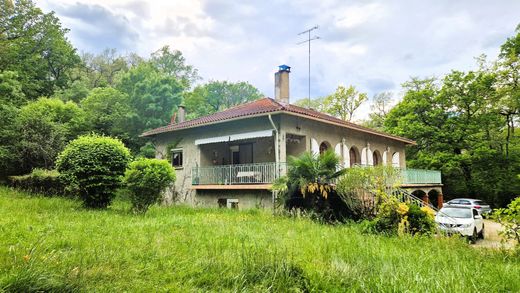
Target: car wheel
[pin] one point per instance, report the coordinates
(481, 233)
(473, 238)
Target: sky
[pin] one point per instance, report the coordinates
(373, 45)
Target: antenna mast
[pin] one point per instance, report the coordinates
(309, 40)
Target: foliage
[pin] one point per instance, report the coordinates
(317, 104)
(398, 218)
(216, 96)
(34, 45)
(103, 69)
(362, 188)
(459, 130)
(108, 112)
(146, 179)
(40, 181)
(510, 218)
(344, 102)
(54, 244)
(153, 95)
(43, 128)
(308, 185)
(172, 63)
(92, 167)
(380, 106)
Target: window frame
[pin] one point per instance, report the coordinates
(177, 150)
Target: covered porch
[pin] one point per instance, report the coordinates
(243, 160)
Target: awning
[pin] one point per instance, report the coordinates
(234, 137)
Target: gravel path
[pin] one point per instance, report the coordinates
(491, 237)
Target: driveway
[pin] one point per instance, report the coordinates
(491, 237)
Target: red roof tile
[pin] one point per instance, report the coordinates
(265, 106)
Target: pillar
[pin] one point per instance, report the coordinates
(440, 200)
(425, 198)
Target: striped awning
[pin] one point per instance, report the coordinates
(235, 137)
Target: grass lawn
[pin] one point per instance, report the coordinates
(54, 244)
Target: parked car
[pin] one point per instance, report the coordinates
(463, 220)
(477, 204)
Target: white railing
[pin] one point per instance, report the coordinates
(256, 173)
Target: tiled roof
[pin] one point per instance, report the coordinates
(266, 106)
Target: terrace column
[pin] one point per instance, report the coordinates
(282, 148)
(425, 198)
(440, 200)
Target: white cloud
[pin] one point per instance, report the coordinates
(374, 45)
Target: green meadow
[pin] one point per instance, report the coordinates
(54, 244)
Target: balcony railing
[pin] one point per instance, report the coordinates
(256, 173)
(266, 173)
(419, 176)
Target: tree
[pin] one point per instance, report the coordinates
(153, 96)
(381, 104)
(103, 70)
(458, 129)
(172, 63)
(308, 185)
(344, 102)
(216, 96)
(43, 128)
(34, 45)
(315, 104)
(107, 112)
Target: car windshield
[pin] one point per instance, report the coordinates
(479, 202)
(456, 213)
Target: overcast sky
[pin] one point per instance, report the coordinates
(374, 45)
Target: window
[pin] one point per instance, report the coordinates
(177, 158)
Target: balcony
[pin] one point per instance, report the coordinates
(262, 175)
(420, 176)
(256, 175)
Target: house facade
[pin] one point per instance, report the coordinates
(230, 158)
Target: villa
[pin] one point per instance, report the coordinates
(230, 158)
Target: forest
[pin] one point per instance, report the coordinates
(50, 93)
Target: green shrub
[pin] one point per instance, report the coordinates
(510, 218)
(395, 218)
(47, 182)
(92, 166)
(145, 179)
(421, 220)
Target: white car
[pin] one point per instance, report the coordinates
(465, 221)
(478, 204)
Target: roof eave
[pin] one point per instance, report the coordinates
(401, 139)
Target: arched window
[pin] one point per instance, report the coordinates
(354, 156)
(324, 146)
(376, 158)
(396, 160)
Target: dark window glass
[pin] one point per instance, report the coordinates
(177, 158)
(465, 202)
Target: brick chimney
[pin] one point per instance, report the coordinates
(181, 114)
(281, 84)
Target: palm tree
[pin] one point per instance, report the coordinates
(310, 181)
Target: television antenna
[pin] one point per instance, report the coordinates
(309, 40)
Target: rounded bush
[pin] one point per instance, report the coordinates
(145, 179)
(93, 166)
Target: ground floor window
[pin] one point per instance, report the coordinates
(177, 158)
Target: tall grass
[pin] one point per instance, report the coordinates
(53, 244)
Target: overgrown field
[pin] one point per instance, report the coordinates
(54, 244)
